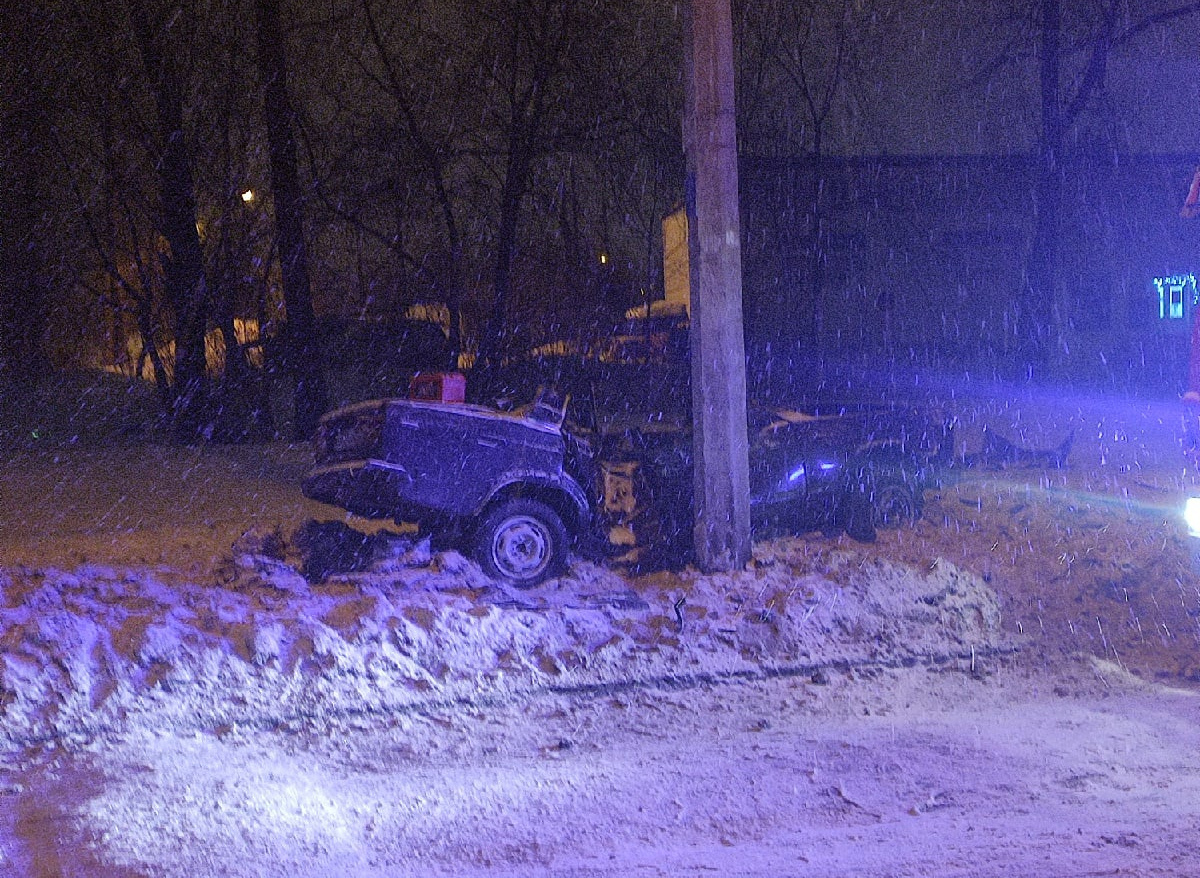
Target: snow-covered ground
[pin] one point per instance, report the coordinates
(1003, 688)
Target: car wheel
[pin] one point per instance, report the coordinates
(521, 542)
(893, 503)
(857, 517)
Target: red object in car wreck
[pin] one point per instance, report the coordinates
(438, 387)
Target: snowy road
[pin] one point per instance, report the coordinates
(900, 773)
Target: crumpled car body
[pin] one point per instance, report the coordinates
(522, 488)
(829, 468)
(509, 475)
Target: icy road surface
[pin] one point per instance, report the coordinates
(899, 773)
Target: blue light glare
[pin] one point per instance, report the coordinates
(1191, 516)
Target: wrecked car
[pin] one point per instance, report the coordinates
(514, 485)
(521, 488)
(838, 468)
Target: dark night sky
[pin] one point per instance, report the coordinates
(918, 102)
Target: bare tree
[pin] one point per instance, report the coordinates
(522, 72)
(186, 283)
(126, 248)
(544, 83)
(124, 134)
(800, 65)
(471, 136)
(461, 158)
(412, 137)
(25, 172)
(302, 358)
(1075, 43)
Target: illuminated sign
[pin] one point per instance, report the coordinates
(1176, 296)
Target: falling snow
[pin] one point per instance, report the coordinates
(1003, 688)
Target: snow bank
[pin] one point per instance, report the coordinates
(99, 648)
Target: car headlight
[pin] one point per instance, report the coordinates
(1191, 516)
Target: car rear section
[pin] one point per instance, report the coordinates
(351, 469)
(495, 481)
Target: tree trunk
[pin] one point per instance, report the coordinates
(302, 358)
(183, 265)
(144, 316)
(453, 297)
(816, 252)
(1037, 325)
(23, 295)
(491, 344)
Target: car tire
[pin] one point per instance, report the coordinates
(857, 516)
(880, 498)
(893, 504)
(662, 522)
(521, 542)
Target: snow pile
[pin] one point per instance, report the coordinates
(101, 648)
(854, 607)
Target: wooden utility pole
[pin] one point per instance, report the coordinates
(722, 481)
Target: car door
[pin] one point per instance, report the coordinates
(797, 469)
(778, 466)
